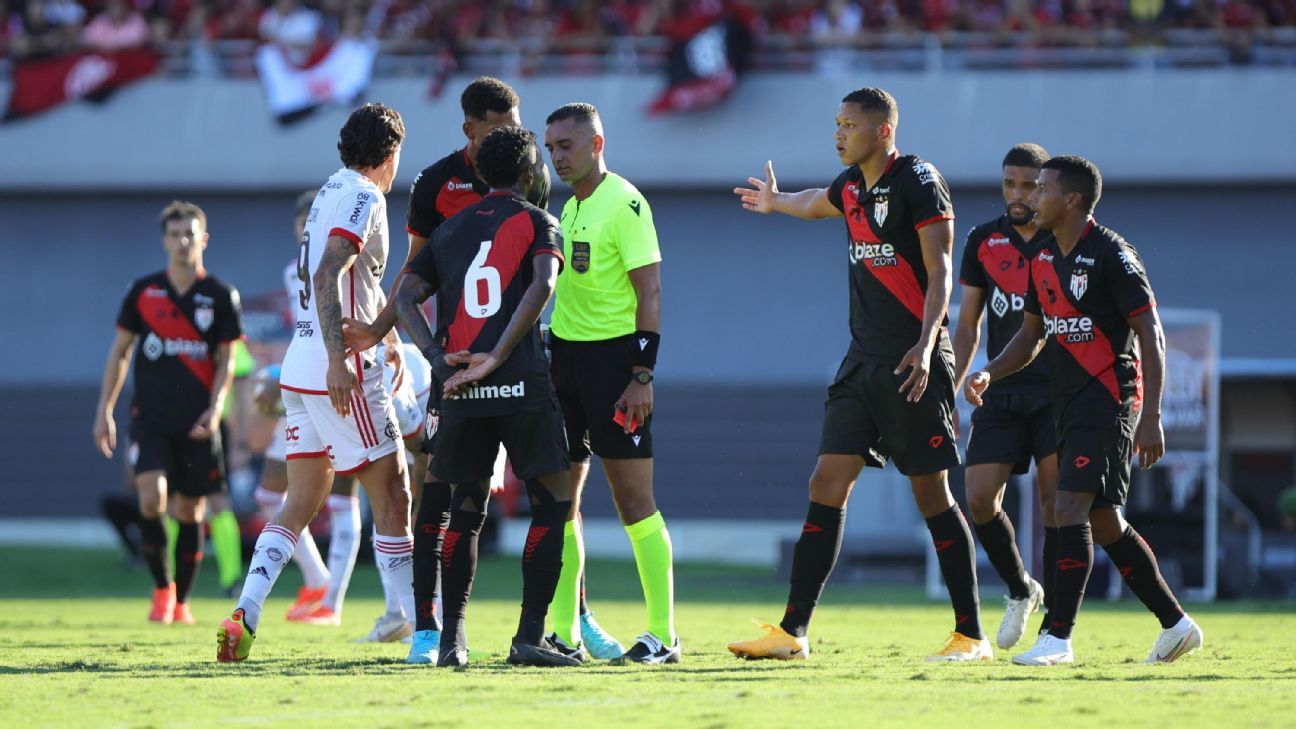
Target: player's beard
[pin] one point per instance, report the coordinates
(1018, 219)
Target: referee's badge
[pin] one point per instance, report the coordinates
(1079, 284)
(580, 260)
(880, 210)
(203, 317)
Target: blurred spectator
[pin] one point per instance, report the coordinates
(48, 28)
(118, 26)
(837, 23)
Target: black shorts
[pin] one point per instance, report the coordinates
(1097, 460)
(865, 415)
(1013, 428)
(193, 468)
(467, 446)
(589, 378)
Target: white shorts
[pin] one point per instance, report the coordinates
(315, 429)
(410, 406)
(278, 448)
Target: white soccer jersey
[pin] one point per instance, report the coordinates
(351, 206)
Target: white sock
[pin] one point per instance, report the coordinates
(306, 555)
(268, 560)
(395, 558)
(344, 518)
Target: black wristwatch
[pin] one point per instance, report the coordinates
(643, 377)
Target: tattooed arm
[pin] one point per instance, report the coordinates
(339, 255)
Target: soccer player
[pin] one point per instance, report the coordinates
(604, 336)
(1016, 421)
(440, 192)
(336, 404)
(893, 396)
(181, 322)
(1088, 301)
(493, 270)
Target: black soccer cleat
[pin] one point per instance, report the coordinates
(452, 655)
(649, 650)
(578, 651)
(544, 655)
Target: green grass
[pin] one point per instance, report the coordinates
(76, 651)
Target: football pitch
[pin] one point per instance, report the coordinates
(76, 651)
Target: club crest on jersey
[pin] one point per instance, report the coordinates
(580, 259)
(203, 317)
(880, 210)
(1079, 284)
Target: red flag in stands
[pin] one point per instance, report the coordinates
(708, 52)
(42, 84)
(336, 74)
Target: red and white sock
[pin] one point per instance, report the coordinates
(344, 544)
(306, 555)
(395, 558)
(272, 550)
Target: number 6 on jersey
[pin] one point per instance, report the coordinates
(478, 273)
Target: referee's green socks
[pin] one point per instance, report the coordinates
(653, 557)
(566, 602)
(228, 545)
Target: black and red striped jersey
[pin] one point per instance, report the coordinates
(1086, 298)
(177, 336)
(996, 259)
(480, 265)
(440, 191)
(888, 279)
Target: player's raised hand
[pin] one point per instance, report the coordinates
(105, 435)
(760, 197)
(918, 362)
(1149, 441)
(358, 336)
(976, 387)
(341, 382)
(480, 365)
(206, 425)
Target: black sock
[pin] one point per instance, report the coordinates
(433, 520)
(458, 567)
(1075, 552)
(123, 513)
(541, 565)
(999, 540)
(954, 551)
(1050, 573)
(812, 561)
(188, 557)
(153, 547)
(1134, 558)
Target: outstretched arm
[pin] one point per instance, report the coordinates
(523, 321)
(1021, 351)
(764, 197)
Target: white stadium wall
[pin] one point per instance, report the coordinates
(1142, 126)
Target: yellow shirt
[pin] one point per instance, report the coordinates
(605, 236)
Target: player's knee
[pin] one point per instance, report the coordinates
(828, 488)
(1070, 509)
(983, 501)
(1107, 526)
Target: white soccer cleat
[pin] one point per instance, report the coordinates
(1049, 650)
(388, 629)
(1180, 640)
(1016, 615)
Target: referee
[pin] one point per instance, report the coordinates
(604, 337)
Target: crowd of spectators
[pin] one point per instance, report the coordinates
(33, 28)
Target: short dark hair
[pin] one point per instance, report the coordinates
(1077, 174)
(1026, 155)
(505, 154)
(578, 110)
(875, 100)
(305, 200)
(370, 135)
(486, 94)
(181, 210)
